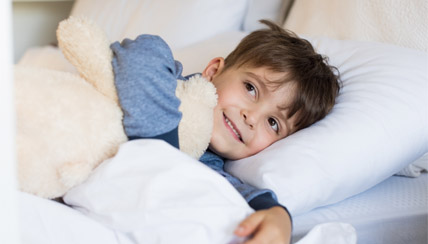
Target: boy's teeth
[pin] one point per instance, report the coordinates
(231, 126)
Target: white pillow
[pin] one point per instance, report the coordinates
(180, 23)
(377, 127)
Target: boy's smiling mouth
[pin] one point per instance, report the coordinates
(231, 126)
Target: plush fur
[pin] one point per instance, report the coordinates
(68, 124)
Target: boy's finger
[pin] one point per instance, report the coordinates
(249, 225)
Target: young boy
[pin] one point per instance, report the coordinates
(272, 85)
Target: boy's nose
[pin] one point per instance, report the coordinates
(250, 118)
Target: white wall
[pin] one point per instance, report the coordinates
(35, 22)
(8, 209)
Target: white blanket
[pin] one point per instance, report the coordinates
(155, 194)
(150, 193)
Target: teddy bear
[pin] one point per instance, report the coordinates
(67, 124)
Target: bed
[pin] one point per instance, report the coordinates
(357, 176)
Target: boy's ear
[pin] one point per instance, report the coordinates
(214, 67)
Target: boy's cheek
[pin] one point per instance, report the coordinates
(261, 143)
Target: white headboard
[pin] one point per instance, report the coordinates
(400, 22)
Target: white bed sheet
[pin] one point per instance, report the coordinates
(394, 212)
(46, 221)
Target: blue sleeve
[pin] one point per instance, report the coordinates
(146, 79)
(258, 199)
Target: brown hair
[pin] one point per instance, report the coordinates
(280, 50)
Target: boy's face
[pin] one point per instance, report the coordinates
(248, 116)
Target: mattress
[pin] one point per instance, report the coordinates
(394, 211)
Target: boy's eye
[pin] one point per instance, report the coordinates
(274, 124)
(251, 89)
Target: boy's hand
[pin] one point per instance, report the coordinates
(266, 226)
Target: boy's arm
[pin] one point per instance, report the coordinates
(271, 223)
(146, 79)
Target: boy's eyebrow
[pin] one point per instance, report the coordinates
(257, 78)
(265, 82)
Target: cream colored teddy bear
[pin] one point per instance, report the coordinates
(68, 124)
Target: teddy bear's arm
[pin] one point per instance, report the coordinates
(86, 46)
(146, 79)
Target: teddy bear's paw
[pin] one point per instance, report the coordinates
(72, 174)
(198, 98)
(87, 47)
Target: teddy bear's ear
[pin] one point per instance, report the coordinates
(87, 47)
